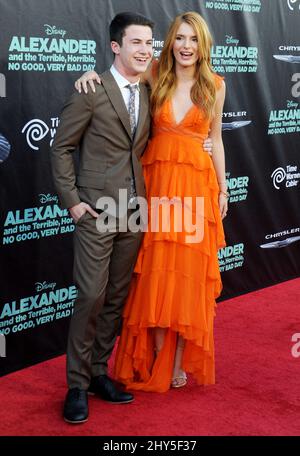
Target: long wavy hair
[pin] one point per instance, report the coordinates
(203, 92)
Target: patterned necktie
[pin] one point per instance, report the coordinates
(131, 107)
(131, 110)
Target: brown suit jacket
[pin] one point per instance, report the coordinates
(99, 124)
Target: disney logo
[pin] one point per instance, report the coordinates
(292, 104)
(40, 286)
(292, 2)
(52, 30)
(231, 40)
(48, 198)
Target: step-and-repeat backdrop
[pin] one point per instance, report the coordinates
(44, 47)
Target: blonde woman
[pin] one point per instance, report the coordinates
(168, 318)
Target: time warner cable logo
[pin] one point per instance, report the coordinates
(292, 4)
(36, 130)
(290, 176)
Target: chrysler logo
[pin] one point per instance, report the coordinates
(4, 148)
(235, 124)
(280, 244)
(288, 58)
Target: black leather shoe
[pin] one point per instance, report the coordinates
(104, 387)
(76, 408)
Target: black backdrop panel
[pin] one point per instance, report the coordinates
(44, 46)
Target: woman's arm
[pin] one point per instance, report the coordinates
(89, 77)
(218, 156)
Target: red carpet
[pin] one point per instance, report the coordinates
(257, 390)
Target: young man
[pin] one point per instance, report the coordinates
(112, 128)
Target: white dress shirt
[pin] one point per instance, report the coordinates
(122, 83)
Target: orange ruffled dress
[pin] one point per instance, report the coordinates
(175, 283)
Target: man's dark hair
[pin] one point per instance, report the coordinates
(123, 20)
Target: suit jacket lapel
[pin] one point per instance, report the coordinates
(115, 96)
(144, 110)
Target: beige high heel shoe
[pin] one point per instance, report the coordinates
(179, 381)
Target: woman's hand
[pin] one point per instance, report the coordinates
(208, 145)
(223, 204)
(88, 77)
